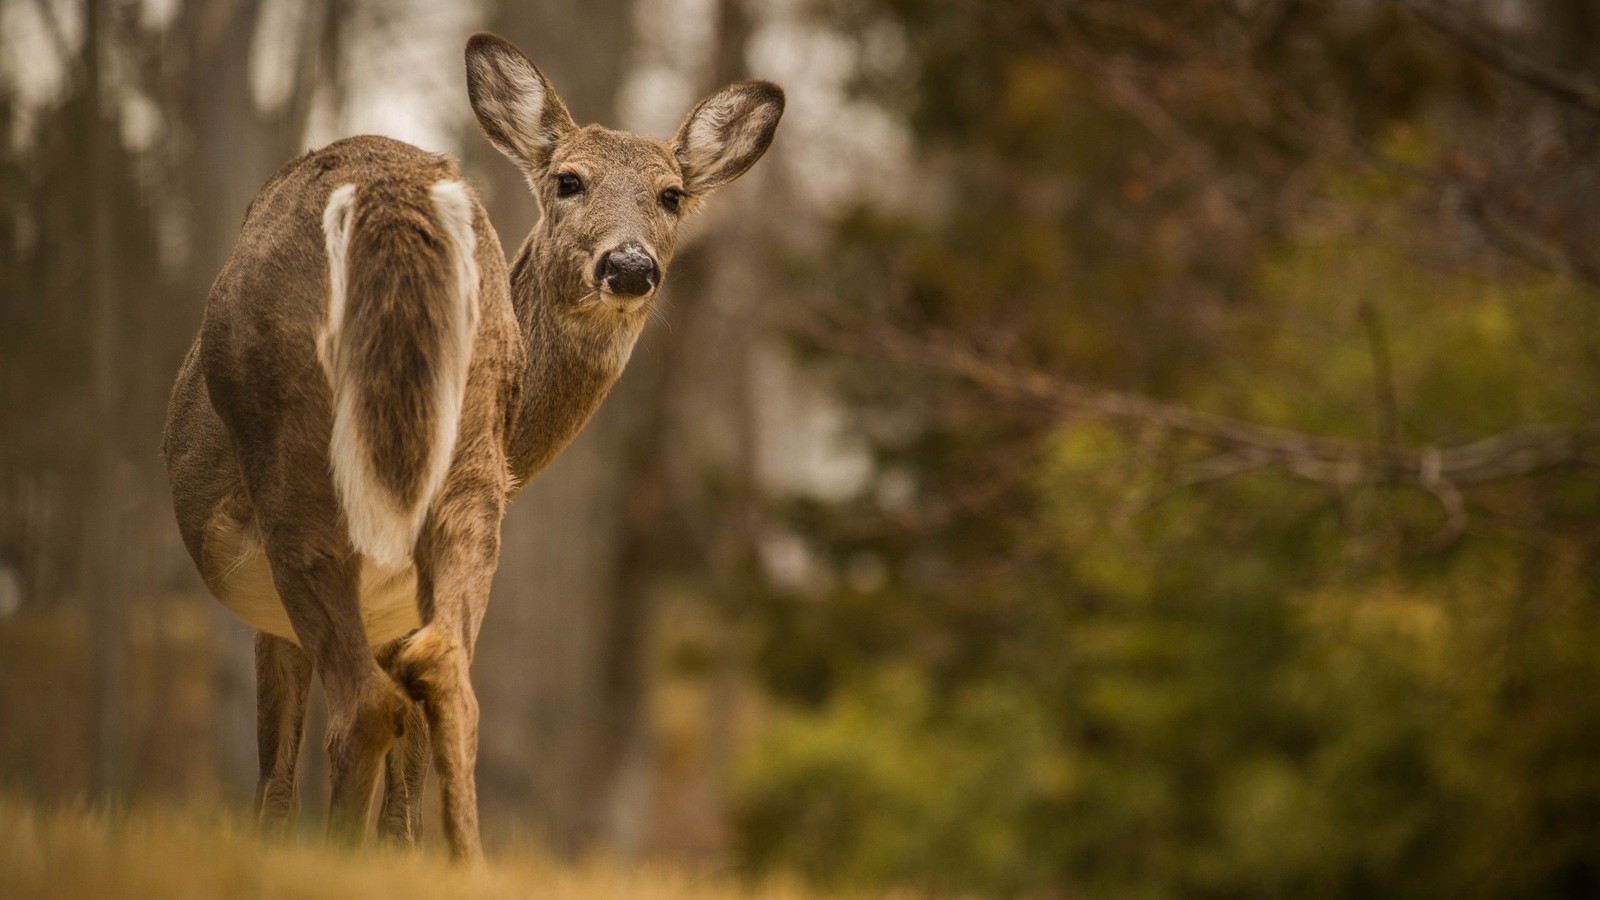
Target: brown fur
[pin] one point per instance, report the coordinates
(396, 256)
(248, 431)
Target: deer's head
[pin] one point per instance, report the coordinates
(612, 201)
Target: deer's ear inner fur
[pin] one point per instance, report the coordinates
(515, 105)
(726, 133)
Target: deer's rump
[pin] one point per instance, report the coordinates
(395, 347)
(330, 374)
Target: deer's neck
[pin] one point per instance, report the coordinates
(576, 351)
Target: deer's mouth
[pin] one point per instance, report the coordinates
(625, 304)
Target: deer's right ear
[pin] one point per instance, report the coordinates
(516, 107)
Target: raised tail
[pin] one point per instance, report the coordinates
(401, 314)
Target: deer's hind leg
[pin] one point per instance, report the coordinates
(283, 682)
(317, 581)
(456, 557)
(405, 770)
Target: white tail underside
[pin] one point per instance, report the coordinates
(380, 526)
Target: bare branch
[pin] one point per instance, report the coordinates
(1331, 461)
(1540, 251)
(1529, 72)
(1455, 506)
(1220, 467)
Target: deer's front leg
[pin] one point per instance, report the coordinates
(456, 556)
(283, 681)
(405, 769)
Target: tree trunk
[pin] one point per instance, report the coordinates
(108, 530)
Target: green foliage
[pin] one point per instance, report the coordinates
(1093, 672)
(886, 803)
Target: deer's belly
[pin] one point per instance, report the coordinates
(238, 574)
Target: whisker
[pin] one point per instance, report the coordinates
(658, 315)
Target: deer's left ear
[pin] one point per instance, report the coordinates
(726, 133)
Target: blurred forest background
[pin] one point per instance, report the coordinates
(1116, 449)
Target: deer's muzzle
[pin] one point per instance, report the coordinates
(628, 271)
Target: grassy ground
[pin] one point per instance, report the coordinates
(65, 855)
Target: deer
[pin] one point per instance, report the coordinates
(371, 383)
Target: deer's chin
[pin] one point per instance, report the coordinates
(626, 304)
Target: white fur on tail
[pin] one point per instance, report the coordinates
(454, 206)
(380, 527)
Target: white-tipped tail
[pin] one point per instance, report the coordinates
(381, 525)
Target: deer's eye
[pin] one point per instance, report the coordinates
(568, 184)
(671, 198)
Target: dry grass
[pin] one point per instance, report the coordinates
(69, 854)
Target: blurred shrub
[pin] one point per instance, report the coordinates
(1095, 670)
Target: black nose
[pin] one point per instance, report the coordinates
(628, 270)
